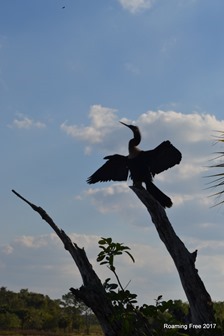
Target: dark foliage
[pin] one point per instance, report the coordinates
(27, 310)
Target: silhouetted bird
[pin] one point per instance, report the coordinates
(140, 165)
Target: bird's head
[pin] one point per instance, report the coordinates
(137, 136)
(134, 128)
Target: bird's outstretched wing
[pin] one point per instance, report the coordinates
(115, 169)
(162, 157)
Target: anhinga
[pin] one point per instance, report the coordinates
(140, 165)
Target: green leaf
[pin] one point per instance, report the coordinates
(130, 256)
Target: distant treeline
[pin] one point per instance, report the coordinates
(28, 310)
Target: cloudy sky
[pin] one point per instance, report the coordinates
(67, 76)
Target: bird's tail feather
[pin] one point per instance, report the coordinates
(163, 199)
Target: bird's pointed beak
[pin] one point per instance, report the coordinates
(124, 124)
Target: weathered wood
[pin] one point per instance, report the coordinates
(200, 302)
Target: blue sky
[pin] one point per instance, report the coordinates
(67, 76)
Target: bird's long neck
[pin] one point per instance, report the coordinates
(133, 143)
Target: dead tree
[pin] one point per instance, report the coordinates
(93, 293)
(200, 302)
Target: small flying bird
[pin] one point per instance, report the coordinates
(141, 166)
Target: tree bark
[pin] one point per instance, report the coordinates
(200, 302)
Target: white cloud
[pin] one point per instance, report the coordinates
(36, 266)
(7, 249)
(105, 132)
(35, 242)
(190, 128)
(135, 6)
(35, 262)
(102, 121)
(113, 198)
(27, 123)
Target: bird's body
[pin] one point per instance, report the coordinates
(140, 165)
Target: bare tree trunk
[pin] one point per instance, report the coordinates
(92, 293)
(201, 306)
